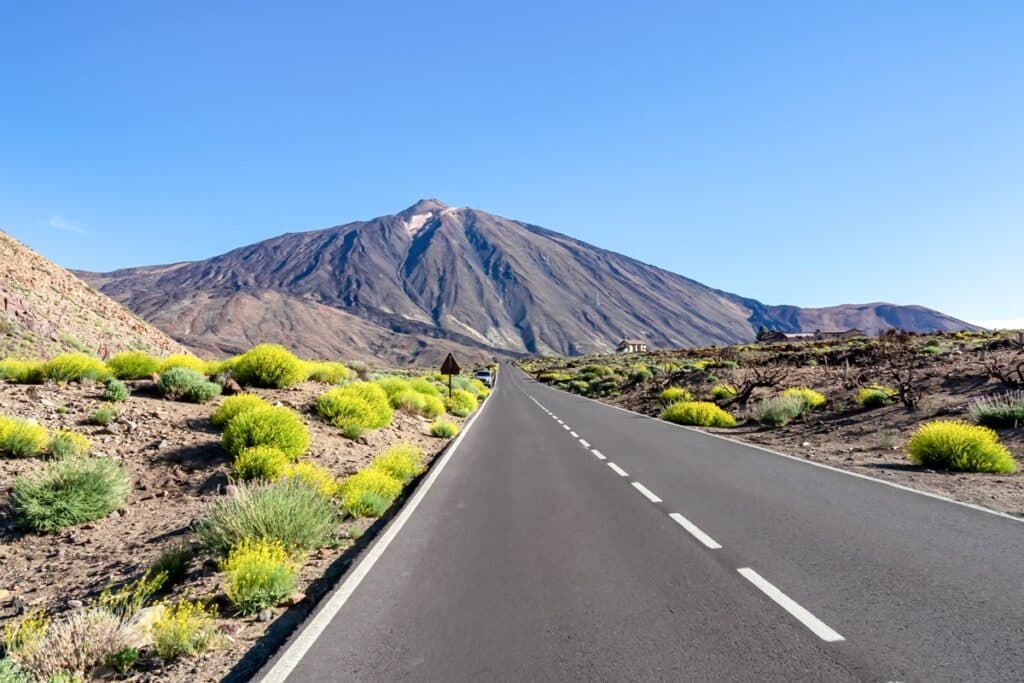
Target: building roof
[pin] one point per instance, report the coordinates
(632, 341)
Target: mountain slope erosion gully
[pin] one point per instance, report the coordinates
(564, 539)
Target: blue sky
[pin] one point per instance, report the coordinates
(803, 153)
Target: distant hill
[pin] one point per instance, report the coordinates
(45, 310)
(412, 285)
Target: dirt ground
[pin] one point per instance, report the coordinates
(842, 434)
(178, 469)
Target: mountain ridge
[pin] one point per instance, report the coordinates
(472, 279)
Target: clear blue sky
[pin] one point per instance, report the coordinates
(807, 153)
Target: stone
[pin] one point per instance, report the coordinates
(75, 604)
(140, 627)
(266, 615)
(5, 595)
(232, 387)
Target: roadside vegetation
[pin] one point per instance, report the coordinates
(945, 403)
(250, 515)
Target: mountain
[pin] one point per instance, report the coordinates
(433, 278)
(46, 310)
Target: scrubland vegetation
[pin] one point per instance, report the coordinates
(950, 404)
(282, 503)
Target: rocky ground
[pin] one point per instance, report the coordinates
(178, 469)
(843, 434)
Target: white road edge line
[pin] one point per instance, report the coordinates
(646, 492)
(294, 650)
(618, 470)
(584, 443)
(695, 531)
(598, 454)
(787, 456)
(816, 625)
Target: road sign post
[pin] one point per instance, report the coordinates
(450, 367)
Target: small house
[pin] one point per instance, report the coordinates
(631, 346)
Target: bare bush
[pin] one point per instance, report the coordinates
(76, 645)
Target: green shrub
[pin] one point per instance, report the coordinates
(75, 367)
(68, 444)
(213, 368)
(433, 406)
(115, 391)
(184, 384)
(423, 385)
(461, 403)
(721, 392)
(779, 410)
(22, 371)
(369, 492)
(11, 672)
(409, 401)
(260, 462)
(269, 365)
(125, 601)
(133, 365)
(68, 492)
(553, 377)
(287, 510)
(259, 575)
(443, 429)
(123, 660)
(318, 478)
(674, 394)
(103, 416)
(326, 372)
(393, 385)
(234, 405)
(361, 403)
(402, 462)
(699, 413)
(956, 445)
(22, 438)
(811, 398)
(184, 629)
(875, 396)
(352, 431)
(181, 360)
(271, 426)
(172, 563)
(1001, 411)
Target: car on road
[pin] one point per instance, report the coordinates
(486, 377)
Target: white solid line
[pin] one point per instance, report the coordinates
(695, 531)
(647, 493)
(293, 651)
(584, 443)
(574, 435)
(618, 470)
(597, 453)
(816, 625)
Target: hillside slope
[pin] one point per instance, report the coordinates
(45, 310)
(470, 277)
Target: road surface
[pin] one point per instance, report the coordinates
(569, 540)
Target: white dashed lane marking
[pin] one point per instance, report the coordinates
(618, 470)
(597, 454)
(695, 531)
(816, 625)
(646, 492)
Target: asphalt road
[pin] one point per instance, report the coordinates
(676, 557)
